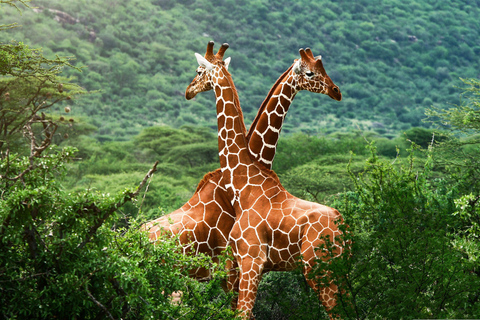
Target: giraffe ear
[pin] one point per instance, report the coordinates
(227, 62)
(203, 62)
(297, 66)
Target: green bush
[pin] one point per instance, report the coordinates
(402, 262)
(66, 255)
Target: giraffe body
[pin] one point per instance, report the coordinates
(274, 232)
(203, 223)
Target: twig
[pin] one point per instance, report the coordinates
(147, 176)
(27, 277)
(121, 292)
(145, 193)
(433, 140)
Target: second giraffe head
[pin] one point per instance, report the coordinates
(313, 77)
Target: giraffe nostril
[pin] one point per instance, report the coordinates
(335, 89)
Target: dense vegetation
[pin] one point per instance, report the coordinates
(71, 162)
(414, 236)
(391, 59)
(75, 254)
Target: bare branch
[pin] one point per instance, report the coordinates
(101, 306)
(35, 151)
(147, 176)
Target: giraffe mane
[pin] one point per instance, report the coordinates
(207, 177)
(265, 102)
(236, 100)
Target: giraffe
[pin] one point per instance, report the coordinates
(272, 228)
(263, 135)
(205, 221)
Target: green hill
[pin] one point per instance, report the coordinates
(391, 58)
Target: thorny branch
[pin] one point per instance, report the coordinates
(107, 213)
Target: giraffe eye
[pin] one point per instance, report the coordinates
(309, 74)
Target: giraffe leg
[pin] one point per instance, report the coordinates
(326, 293)
(231, 284)
(250, 275)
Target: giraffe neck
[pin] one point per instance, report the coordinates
(264, 132)
(232, 145)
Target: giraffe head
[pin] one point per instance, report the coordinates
(206, 69)
(313, 77)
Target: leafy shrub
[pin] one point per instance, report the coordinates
(66, 255)
(402, 263)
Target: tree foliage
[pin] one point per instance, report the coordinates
(29, 85)
(460, 159)
(464, 117)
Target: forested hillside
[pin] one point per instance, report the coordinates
(391, 59)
